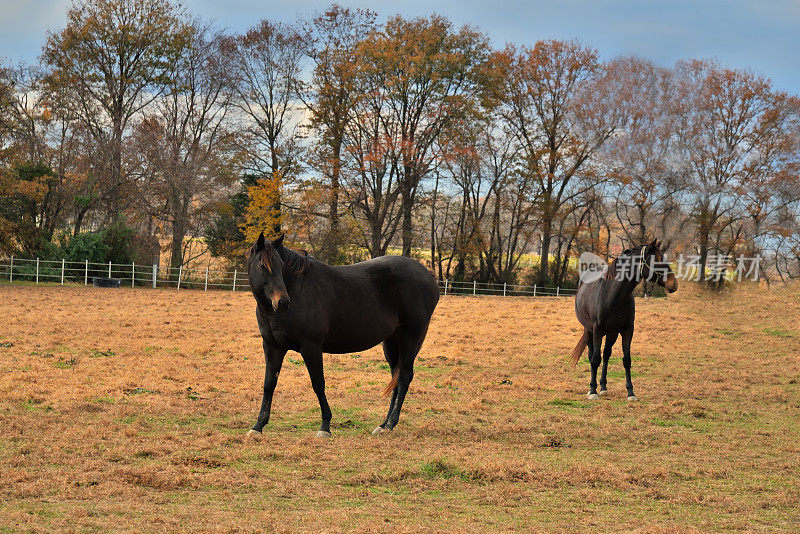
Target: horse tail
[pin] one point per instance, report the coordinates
(578, 350)
(392, 383)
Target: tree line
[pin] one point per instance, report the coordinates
(148, 128)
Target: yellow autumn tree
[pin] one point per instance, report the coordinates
(263, 212)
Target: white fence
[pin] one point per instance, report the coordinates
(132, 275)
(448, 287)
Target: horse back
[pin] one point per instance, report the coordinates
(401, 284)
(355, 307)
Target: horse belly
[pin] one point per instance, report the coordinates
(358, 333)
(343, 344)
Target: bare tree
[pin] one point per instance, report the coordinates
(331, 97)
(182, 153)
(555, 101)
(430, 76)
(648, 175)
(267, 64)
(728, 129)
(116, 55)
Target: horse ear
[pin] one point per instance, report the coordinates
(278, 243)
(260, 242)
(654, 244)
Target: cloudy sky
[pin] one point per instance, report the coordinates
(763, 35)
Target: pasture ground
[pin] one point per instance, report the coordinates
(127, 409)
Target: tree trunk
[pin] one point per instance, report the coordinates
(276, 175)
(704, 231)
(407, 205)
(703, 255)
(79, 221)
(332, 242)
(180, 225)
(115, 174)
(176, 248)
(547, 234)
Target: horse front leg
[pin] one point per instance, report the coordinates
(312, 356)
(273, 356)
(594, 359)
(627, 337)
(610, 340)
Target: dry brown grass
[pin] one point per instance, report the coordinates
(126, 409)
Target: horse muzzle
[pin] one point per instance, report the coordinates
(280, 302)
(671, 283)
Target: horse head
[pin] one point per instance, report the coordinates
(653, 268)
(265, 272)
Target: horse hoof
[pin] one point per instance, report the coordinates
(592, 396)
(602, 392)
(253, 434)
(322, 434)
(380, 430)
(632, 398)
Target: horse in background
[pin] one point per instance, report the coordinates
(606, 308)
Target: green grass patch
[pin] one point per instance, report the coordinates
(567, 403)
(727, 332)
(441, 468)
(66, 363)
(777, 332)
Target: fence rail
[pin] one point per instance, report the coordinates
(133, 275)
(448, 287)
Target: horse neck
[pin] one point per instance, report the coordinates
(294, 282)
(620, 289)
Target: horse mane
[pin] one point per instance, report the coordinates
(611, 272)
(294, 264)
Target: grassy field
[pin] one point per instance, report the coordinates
(126, 409)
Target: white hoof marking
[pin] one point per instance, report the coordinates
(380, 430)
(602, 392)
(253, 433)
(592, 396)
(322, 434)
(633, 398)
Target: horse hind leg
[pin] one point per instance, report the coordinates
(627, 336)
(391, 351)
(610, 340)
(410, 344)
(594, 358)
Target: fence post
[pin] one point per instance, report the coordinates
(62, 271)
(109, 269)
(205, 287)
(557, 290)
(86, 273)
(504, 288)
(11, 270)
(133, 273)
(180, 275)
(234, 279)
(445, 286)
(37, 270)
(474, 287)
(534, 290)
(155, 274)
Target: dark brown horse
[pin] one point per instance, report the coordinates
(605, 307)
(310, 307)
